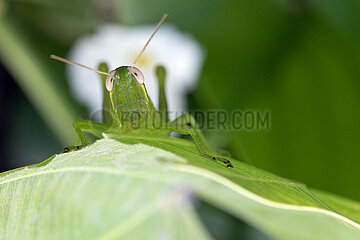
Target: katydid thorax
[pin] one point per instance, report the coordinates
(127, 108)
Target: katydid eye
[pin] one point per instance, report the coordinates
(137, 74)
(110, 80)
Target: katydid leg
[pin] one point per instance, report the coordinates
(86, 126)
(160, 74)
(186, 124)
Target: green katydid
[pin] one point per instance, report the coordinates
(127, 109)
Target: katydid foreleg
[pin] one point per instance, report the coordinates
(86, 126)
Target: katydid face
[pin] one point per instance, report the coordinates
(128, 93)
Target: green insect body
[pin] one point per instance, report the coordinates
(128, 110)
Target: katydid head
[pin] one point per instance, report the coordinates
(127, 90)
(137, 74)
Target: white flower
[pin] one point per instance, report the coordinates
(119, 45)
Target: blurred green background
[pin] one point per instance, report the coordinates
(300, 59)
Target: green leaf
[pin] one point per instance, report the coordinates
(113, 190)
